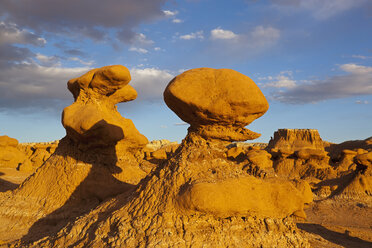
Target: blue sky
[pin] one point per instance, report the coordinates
(311, 58)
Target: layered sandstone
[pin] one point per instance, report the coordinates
(10, 155)
(199, 197)
(99, 157)
(300, 153)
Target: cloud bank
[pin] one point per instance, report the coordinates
(89, 18)
(356, 82)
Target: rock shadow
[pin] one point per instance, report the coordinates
(99, 185)
(342, 239)
(6, 185)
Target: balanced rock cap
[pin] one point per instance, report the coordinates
(206, 97)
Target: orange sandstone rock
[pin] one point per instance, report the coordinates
(218, 103)
(93, 119)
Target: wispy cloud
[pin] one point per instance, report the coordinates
(222, 34)
(138, 50)
(196, 35)
(283, 80)
(169, 13)
(356, 82)
(150, 82)
(172, 15)
(227, 42)
(357, 56)
(177, 20)
(362, 102)
(319, 9)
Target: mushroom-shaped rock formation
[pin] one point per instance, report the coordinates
(199, 197)
(95, 161)
(93, 118)
(217, 103)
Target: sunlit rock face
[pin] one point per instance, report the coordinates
(93, 118)
(217, 103)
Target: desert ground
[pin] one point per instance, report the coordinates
(105, 185)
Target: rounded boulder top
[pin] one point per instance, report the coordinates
(206, 96)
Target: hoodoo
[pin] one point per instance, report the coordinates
(97, 159)
(199, 197)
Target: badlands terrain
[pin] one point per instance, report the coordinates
(105, 185)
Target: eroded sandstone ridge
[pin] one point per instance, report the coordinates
(199, 197)
(98, 158)
(300, 153)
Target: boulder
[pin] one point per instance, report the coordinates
(217, 103)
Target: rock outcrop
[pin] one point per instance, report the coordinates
(100, 157)
(199, 197)
(93, 119)
(299, 153)
(10, 155)
(292, 140)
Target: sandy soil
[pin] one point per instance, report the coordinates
(338, 223)
(10, 178)
(330, 223)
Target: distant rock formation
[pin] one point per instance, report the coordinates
(160, 149)
(10, 155)
(292, 140)
(299, 153)
(199, 197)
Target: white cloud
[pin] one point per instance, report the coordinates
(10, 33)
(141, 40)
(172, 15)
(226, 43)
(264, 35)
(32, 85)
(177, 20)
(169, 13)
(86, 63)
(283, 80)
(192, 36)
(221, 34)
(150, 82)
(157, 48)
(319, 9)
(138, 50)
(48, 60)
(356, 82)
(356, 69)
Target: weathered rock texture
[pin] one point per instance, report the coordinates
(198, 197)
(217, 103)
(98, 158)
(299, 153)
(93, 119)
(10, 155)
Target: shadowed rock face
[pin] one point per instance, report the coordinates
(93, 118)
(217, 103)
